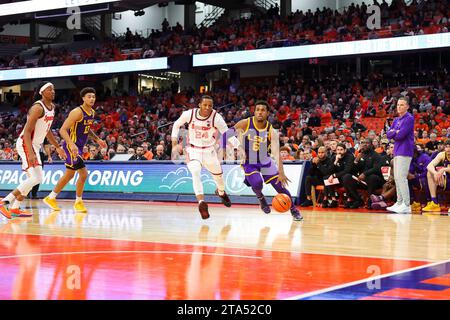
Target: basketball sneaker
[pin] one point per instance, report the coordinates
(375, 198)
(296, 215)
(20, 214)
(416, 206)
(203, 208)
(225, 199)
(264, 206)
(431, 207)
(394, 207)
(79, 206)
(334, 204)
(51, 203)
(380, 205)
(4, 211)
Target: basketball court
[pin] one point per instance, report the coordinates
(150, 250)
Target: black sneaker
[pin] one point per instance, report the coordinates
(225, 199)
(333, 204)
(264, 206)
(203, 208)
(306, 203)
(356, 204)
(325, 204)
(369, 204)
(348, 204)
(296, 215)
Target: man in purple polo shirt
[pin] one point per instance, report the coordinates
(402, 132)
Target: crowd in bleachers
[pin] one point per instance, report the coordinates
(259, 31)
(315, 117)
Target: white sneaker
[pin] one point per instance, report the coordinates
(394, 208)
(403, 208)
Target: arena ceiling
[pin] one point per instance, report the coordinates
(119, 6)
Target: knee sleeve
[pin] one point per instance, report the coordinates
(219, 181)
(35, 177)
(196, 168)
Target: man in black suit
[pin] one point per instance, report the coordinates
(366, 174)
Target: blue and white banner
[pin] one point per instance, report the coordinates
(85, 69)
(147, 177)
(430, 41)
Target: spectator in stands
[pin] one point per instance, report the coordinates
(425, 105)
(424, 140)
(104, 154)
(165, 25)
(321, 167)
(367, 167)
(139, 155)
(86, 154)
(120, 149)
(431, 145)
(342, 165)
(147, 152)
(285, 153)
(94, 153)
(314, 120)
(358, 126)
(160, 153)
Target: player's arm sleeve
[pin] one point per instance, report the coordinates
(227, 134)
(182, 120)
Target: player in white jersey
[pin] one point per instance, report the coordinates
(39, 121)
(203, 124)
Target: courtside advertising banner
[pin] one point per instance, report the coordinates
(146, 177)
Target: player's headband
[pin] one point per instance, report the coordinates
(45, 86)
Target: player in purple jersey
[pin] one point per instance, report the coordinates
(75, 132)
(257, 136)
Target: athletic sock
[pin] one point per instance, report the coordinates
(9, 198)
(16, 204)
(53, 195)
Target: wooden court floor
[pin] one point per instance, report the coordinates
(147, 250)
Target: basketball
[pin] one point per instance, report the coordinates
(281, 202)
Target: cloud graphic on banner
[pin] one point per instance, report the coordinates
(234, 180)
(179, 177)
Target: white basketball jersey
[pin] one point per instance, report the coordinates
(43, 125)
(202, 131)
